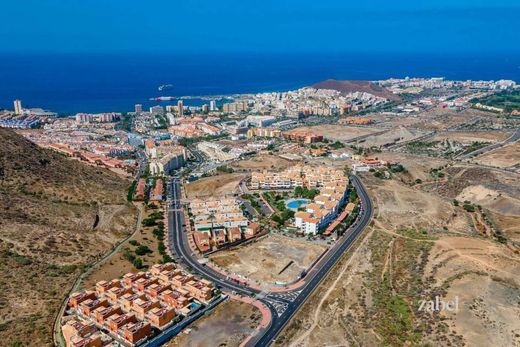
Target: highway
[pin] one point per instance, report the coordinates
(283, 305)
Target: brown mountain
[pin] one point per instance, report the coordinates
(48, 209)
(351, 86)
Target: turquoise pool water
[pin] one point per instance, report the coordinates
(297, 203)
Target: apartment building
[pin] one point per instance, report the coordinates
(158, 190)
(302, 136)
(216, 212)
(296, 176)
(173, 160)
(324, 208)
(264, 132)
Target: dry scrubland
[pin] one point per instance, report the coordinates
(227, 326)
(48, 207)
(418, 246)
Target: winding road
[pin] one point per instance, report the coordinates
(283, 305)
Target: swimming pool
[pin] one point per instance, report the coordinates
(297, 203)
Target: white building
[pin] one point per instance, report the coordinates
(261, 121)
(213, 105)
(18, 107)
(167, 163)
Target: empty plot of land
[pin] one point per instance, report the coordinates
(400, 134)
(339, 132)
(228, 325)
(484, 276)
(215, 185)
(506, 156)
(263, 261)
(469, 137)
(263, 162)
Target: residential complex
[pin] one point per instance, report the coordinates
(164, 157)
(218, 221)
(134, 309)
(217, 212)
(324, 207)
(296, 176)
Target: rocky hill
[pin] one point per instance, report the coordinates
(49, 205)
(351, 86)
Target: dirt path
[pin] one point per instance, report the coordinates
(58, 340)
(315, 319)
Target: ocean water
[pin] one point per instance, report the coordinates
(70, 83)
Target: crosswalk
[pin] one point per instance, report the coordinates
(280, 307)
(291, 296)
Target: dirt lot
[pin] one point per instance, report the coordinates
(214, 185)
(506, 156)
(469, 137)
(263, 162)
(263, 260)
(373, 296)
(340, 132)
(398, 134)
(228, 325)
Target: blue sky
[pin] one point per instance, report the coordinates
(382, 26)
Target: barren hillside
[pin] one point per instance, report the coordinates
(48, 232)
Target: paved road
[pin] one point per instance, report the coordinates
(510, 139)
(283, 305)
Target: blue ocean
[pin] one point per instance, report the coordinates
(71, 83)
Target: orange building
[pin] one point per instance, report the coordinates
(78, 298)
(74, 328)
(130, 278)
(355, 120)
(159, 317)
(88, 306)
(134, 332)
(176, 298)
(116, 321)
(103, 286)
(234, 234)
(102, 313)
(142, 306)
(202, 241)
(140, 190)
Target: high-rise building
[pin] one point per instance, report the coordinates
(205, 108)
(212, 105)
(18, 107)
(180, 107)
(138, 108)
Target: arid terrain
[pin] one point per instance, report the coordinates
(265, 259)
(228, 325)
(214, 185)
(421, 245)
(49, 232)
(504, 157)
(262, 162)
(340, 132)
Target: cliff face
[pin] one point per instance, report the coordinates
(48, 205)
(346, 87)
